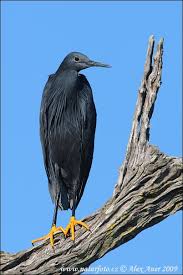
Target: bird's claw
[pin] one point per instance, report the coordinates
(50, 235)
(71, 227)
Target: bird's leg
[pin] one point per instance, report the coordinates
(71, 226)
(54, 229)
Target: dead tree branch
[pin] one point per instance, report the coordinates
(148, 190)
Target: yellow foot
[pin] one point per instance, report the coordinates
(71, 227)
(50, 235)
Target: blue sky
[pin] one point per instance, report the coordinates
(35, 38)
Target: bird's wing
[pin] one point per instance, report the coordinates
(67, 138)
(88, 125)
(44, 124)
(72, 139)
(47, 118)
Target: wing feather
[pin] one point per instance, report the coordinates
(88, 125)
(67, 129)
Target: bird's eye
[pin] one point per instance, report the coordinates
(76, 58)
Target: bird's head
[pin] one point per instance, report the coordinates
(78, 61)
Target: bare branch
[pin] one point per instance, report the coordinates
(147, 93)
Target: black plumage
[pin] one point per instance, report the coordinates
(67, 127)
(67, 130)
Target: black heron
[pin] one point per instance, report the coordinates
(67, 130)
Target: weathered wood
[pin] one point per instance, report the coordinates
(147, 93)
(148, 190)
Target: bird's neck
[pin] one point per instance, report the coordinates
(64, 69)
(67, 80)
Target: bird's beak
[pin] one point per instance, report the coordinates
(97, 64)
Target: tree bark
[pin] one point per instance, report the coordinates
(148, 190)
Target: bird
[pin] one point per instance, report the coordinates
(67, 133)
